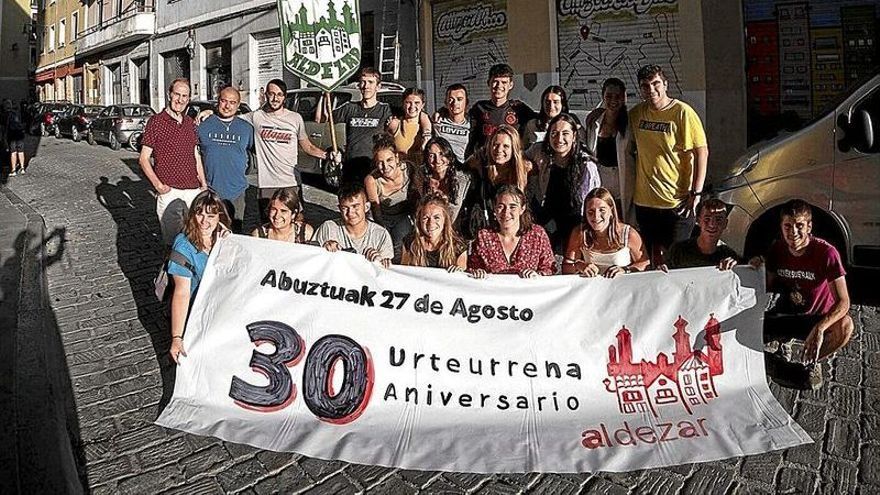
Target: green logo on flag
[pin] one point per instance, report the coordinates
(321, 42)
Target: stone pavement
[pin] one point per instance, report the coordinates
(114, 336)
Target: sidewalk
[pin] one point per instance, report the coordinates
(36, 401)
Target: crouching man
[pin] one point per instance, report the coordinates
(354, 231)
(813, 301)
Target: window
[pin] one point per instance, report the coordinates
(51, 38)
(218, 66)
(74, 25)
(62, 32)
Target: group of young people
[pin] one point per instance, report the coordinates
(497, 188)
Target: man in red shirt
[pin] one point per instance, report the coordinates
(813, 302)
(175, 171)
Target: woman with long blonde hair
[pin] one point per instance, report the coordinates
(435, 243)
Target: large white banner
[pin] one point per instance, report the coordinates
(291, 348)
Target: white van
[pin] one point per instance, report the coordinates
(833, 163)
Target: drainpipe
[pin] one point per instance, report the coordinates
(418, 46)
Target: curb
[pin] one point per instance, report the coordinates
(35, 328)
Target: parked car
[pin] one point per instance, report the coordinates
(833, 164)
(46, 116)
(196, 106)
(76, 121)
(305, 102)
(120, 124)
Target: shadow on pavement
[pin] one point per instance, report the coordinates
(42, 450)
(140, 254)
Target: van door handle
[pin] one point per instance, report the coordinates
(316, 134)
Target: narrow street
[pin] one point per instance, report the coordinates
(112, 338)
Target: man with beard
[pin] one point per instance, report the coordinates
(278, 134)
(170, 160)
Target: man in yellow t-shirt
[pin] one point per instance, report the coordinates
(671, 156)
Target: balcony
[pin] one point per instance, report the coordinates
(135, 23)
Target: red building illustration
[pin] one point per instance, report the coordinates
(686, 381)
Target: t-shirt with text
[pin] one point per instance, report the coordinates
(224, 147)
(361, 124)
(276, 141)
(803, 281)
(664, 139)
(456, 134)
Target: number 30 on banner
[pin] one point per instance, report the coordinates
(327, 404)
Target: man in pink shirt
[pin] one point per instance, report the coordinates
(813, 301)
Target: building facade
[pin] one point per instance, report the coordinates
(17, 49)
(113, 50)
(579, 43)
(219, 42)
(58, 76)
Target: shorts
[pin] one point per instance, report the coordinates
(784, 327)
(661, 226)
(16, 146)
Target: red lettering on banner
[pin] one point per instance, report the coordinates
(627, 436)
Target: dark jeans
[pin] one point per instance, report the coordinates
(661, 227)
(235, 207)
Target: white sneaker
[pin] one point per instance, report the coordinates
(13, 174)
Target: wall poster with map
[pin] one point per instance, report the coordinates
(469, 37)
(598, 40)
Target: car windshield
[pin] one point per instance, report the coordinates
(92, 110)
(137, 111)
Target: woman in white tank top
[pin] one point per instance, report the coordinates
(602, 245)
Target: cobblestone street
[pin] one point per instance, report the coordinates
(114, 339)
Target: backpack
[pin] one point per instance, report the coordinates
(162, 281)
(13, 123)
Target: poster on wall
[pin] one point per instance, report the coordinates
(598, 40)
(799, 58)
(469, 38)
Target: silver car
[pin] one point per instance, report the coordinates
(832, 163)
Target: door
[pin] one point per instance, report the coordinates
(856, 170)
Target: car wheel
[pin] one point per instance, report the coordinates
(134, 142)
(114, 142)
(91, 138)
(43, 131)
(74, 134)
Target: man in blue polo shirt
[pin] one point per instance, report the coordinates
(224, 141)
